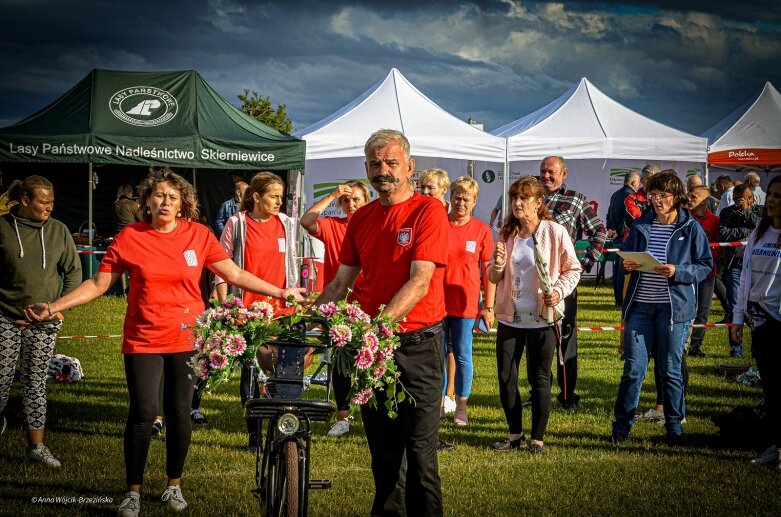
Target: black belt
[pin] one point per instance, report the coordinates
(421, 334)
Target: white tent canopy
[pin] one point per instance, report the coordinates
(586, 123)
(750, 135)
(334, 152)
(601, 140)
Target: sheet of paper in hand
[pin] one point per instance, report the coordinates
(645, 259)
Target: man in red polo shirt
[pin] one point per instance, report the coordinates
(399, 244)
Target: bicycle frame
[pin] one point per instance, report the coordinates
(284, 458)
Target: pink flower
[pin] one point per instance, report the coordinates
(356, 315)
(327, 310)
(364, 359)
(371, 341)
(379, 371)
(215, 341)
(340, 334)
(363, 396)
(385, 355)
(217, 360)
(386, 330)
(262, 310)
(203, 371)
(235, 345)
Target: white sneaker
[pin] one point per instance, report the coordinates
(651, 414)
(130, 507)
(42, 454)
(769, 457)
(174, 499)
(450, 405)
(661, 422)
(340, 428)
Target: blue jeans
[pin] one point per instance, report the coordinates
(644, 325)
(459, 332)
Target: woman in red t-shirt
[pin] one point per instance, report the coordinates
(262, 240)
(331, 230)
(470, 248)
(165, 255)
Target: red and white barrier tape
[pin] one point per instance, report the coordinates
(601, 329)
(97, 336)
(712, 245)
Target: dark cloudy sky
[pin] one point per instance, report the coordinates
(684, 63)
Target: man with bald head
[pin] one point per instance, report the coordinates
(571, 210)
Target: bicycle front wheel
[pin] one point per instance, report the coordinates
(288, 496)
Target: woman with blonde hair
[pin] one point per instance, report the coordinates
(522, 307)
(470, 248)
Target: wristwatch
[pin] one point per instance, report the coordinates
(490, 309)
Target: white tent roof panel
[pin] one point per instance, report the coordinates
(586, 123)
(394, 103)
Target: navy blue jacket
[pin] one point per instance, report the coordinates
(687, 249)
(616, 212)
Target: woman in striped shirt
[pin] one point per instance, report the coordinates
(660, 303)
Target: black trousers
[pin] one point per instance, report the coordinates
(404, 449)
(765, 349)
(567, 376)
(704, 299)
(145, 373)
(341, 385)
(510, 342)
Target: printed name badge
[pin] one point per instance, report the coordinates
(191, 258)
(471, 246)
(281, 244)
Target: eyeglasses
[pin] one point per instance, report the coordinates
(659, 197)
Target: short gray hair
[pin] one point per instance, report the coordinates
(630, 177)
(383, 137)
(752, 178)
(649, 170)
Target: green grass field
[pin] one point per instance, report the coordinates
(581, 473)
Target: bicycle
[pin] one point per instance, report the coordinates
(282, 461)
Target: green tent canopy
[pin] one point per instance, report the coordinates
(143, 118)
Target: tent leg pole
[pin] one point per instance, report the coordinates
(91, 185)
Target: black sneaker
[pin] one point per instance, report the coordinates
(674, 440)
(536, 448)
(198, 418)
(696, 352)
(507, 444)
(617, 438)
(447, 447)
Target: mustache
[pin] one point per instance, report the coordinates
(384, 179)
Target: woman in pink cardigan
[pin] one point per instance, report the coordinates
(521, 306)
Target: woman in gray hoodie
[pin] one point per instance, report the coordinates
(38, 261)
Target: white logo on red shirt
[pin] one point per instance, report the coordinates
(191, 258)
(471, 246)
(404, 237)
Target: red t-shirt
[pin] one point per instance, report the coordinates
(331, 230)
(264, 257)
(165, 274)
(470, 248)
(384, 241)
(710, 223)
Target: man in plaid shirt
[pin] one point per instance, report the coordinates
(572, 211)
